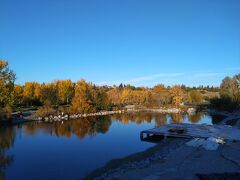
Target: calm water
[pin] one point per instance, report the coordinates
(74, 148)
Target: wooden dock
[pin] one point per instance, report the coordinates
(193, 131)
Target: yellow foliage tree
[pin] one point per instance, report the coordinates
(81, 102)
(177, 95)
(65, 91)
(195, 96)
(18, 95)
(29, 92)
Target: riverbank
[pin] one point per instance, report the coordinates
(31, 115)
(173, 159)
(64, 116)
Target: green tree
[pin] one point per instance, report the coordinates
(7, 79)
(230, 87)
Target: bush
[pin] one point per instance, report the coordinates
(45, 110)
(195, 97)
(6, 113)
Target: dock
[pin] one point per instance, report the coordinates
(193, 131)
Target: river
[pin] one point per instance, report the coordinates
(71, 149)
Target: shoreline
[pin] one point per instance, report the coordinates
(64, 117)
(139, 160)
(149, 163)
(103, 113)
(160, 162)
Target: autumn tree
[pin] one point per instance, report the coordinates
(18, 95)
(29, 92)
(48, 92)
(230, 87)
(114, 96)
(65, 91)
(126, 97)
(99, 98)
(161, 95)
(229, 98)
(177, 95)
(7, 79)
(89, 98)
(82, 100)
(195, 96)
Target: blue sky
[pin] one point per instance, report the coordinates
(142, 42)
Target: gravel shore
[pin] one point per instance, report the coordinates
(173, 159)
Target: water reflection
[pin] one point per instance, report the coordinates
(91, 126)
(7, 137)
(121, 129)
(86, 126)
(195, 118)
(176, 118)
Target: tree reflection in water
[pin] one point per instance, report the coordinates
(85, 126)
(7, 136)
(176, 118)
(91, 126)
(195, 118)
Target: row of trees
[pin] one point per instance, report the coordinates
(86, 97)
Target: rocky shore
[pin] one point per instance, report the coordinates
(63, 116)
(173, 159)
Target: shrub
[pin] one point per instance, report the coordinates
(195, 97)
(45, 110)
(6, 113)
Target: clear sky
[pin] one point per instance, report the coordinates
(142, 42)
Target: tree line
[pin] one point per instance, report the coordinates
(86, 97)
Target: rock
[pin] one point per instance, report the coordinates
(191, 111)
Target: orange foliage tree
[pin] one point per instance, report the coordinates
(177, 95)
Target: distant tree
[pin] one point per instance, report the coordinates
(29, 92)
(126, 97)
(49, 92)
(230, 87)
(100, 99)
(120, 86)
(177, 95)
(18, 95)
(229, 98)
(195, 96)
(114, 96)
(65, 91)
(160, 95)
(82, 101)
